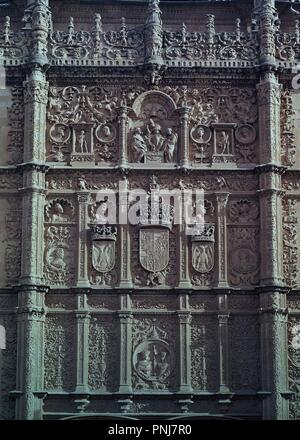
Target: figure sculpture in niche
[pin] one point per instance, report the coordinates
(83, 142)
(156, 140)
(170, 145)
(224, 143)
(139, 146)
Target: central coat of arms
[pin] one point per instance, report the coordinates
(154, 249)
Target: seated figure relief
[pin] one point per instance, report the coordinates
(154, 144)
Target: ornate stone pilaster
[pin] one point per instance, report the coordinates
(30, 352)
(82, 251)
(123, 128)
(154, 34)
(33, 202)
(184, 276)
(271, 229)
(222, 199)
(30, 311)
(82, 341)
(184, 136)
(269, 94)
(223, 318)
(184, 317)
(35, 101)
(274, 349)
(125, 317)
(125, 257)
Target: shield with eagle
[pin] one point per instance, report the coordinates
(103, 255)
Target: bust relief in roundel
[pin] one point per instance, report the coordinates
(154, 104)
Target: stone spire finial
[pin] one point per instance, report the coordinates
(154, 33)
(266, 17)
(37, 19)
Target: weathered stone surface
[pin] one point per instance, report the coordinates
(96, 98)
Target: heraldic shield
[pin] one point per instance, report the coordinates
(154, 249)
(203, 256)
(203, 249)
(104, 249)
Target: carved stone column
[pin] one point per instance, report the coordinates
(30, 354)
(223, 318)
(273, 327)
(123, 128)
(30, 312)
(125, 317)
(269, 92)
(33, 203)
(274, 348)
(125, 257)
(222, 199)
(82, 251)
(184, 276)
(82, 341)
(184, 136)
(184, 317)
(270, 196)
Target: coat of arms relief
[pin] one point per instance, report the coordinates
(103, 254)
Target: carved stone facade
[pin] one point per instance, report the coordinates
(142, 318)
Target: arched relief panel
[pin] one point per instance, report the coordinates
(153, 135)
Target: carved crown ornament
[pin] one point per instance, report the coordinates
(150, 42)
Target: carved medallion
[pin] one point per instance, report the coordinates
(151, 361)
(245, 134)
(201, 134)
(244, 260)
(106, 133)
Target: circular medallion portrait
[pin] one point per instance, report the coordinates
(106, 133)
(245, 134)
(201, 134)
